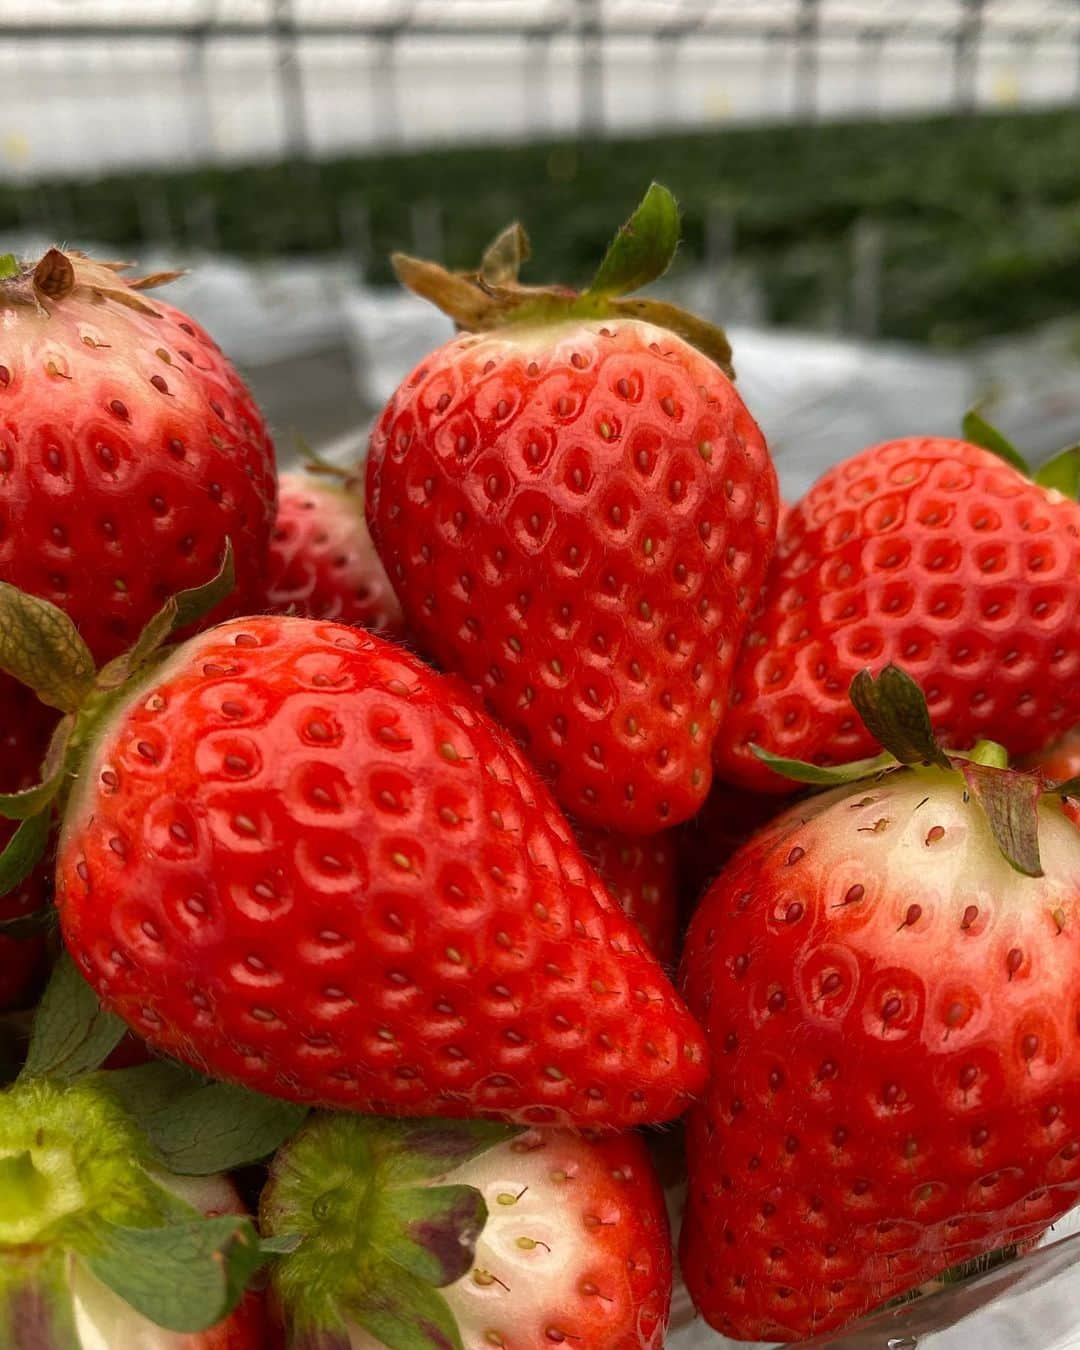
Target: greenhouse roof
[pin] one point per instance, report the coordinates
(1056, 20)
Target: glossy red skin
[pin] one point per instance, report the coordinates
(641, 875)
(930, 553)
(850, 1147)
(129, 451)
(410, 929)
(322, 563)
(1060, 763)
(25, 728)
(558, 536)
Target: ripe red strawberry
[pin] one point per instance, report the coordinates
(298, 857)
(932, 553)
(893, 1011)
(640, 874)
(129, 451)
(577, 510)
(528, 1239)
(76, 1169)
(25, 727)
(322, 563)
(1060, 762)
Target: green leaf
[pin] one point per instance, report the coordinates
(504, 256)
(72, 1033)
(9, 266)
(31, 801)
(819, 776)
(1070, 788)
(182, 609)
(644, 247)
(41, 648)
(1062, 473)
(283, 1245)
(317, 1338)
(403, 1313)
(706, 337)
(186, 1276)
(200, 1127)
(1010, 801)
(37, 921)
(979, 431)
(421, 1150)
(24, 850)
(431, 1231)
(894, 712)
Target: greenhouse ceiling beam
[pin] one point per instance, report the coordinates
(696, 27)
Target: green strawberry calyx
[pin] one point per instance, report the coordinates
(59, 273)
(380, 1232)
(640, 253)
(894, 711)
(83, 1186)
(41, 648)
(1061, 472)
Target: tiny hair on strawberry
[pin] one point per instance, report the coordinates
(577, 509)
(295, 857)
(887, 975)
(947, 557)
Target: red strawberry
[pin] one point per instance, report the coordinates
(640, 875)
(322, 563)
(129, 451)
(577, 511)
(893, 1009)
(1059, 763)
(528, 1240)
(74, 1166)
(25, 728)
(933, 553)
(298, 857)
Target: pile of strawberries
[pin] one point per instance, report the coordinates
(356, 826)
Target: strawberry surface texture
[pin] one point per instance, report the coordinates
(577, 519)
(893, 1013)
(931, 553)
(129, 451)
(641, 875)
(322, 563)
(301, 860)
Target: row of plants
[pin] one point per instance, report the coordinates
(979, 216)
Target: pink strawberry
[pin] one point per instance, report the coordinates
(294, 855)
(932, 553)
(577, 511)
(893, 1011)
(129, 451)
(322, 563)
(640, 875)
(499, 1240)
(75, 1170)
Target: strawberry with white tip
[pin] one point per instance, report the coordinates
(446, 1235)
(887, 975)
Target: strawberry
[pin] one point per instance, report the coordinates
(577, 511)
(893, 1011)
(293, 854)
(640, 875)
(322, 563)
(85, 1201)
(129, 451)
(1059, 762)
(930, 552)
(450, 1234)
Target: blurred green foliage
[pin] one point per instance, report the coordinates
(979, 216)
